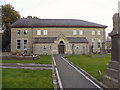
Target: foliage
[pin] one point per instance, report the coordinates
(90, 64)
(45, 59)
(9, 16)
(23, 78)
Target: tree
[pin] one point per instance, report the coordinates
(9, 16)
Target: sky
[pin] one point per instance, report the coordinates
(97, 11)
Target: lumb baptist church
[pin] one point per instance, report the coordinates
(56, 36)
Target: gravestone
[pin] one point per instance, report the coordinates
(112, 77)
(101, 51)
(99, 76)
(103, 48)
(72, 49)
(90, 51)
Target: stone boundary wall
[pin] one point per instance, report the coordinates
(19, 57)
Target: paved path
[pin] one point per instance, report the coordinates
(26, 66)
(71, 77)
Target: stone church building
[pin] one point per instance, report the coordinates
(56, 36)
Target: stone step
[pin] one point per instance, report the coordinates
(110, 82)
(112, 73)
(114, 65)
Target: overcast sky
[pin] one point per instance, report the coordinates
(97, 11)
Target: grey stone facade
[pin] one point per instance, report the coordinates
(72, 43)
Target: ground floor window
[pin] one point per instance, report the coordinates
(92, 44)
(25, 44)
(44, 47)
(98, 44)
(18, 44)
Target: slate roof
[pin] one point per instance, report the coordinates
(44, 39)
(32, 22)
(52, 39)
(77, 40)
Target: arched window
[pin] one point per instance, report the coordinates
(61, 43)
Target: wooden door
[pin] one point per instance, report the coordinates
(61, 49)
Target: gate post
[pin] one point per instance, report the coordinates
(112, 77)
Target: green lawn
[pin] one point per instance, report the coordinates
(45, 59)
(91, 64)
(23, 78)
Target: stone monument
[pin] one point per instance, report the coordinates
(90, 51)
(103, 48)
(112, 77)
(101, 51)
(72, 49)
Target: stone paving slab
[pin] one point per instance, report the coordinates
(27, 66)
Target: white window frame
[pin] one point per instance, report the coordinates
(99, 32)
(18, 45)
(18, 32)
(25, 31)
(93, 44)
(45, 32)
(80, 32)
(38, 32)
(74, 32)
(99, 41)
(25, 45)
(44, 47)
(93, 32)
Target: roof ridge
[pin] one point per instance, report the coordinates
(35, 22)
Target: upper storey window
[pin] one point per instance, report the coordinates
(98, 33)
(25, 32)
(80, 32)
(93, 32)
(74, 32)
(18, 32)
(38, 32)
(45, 32)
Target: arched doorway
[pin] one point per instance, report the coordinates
(61, 47)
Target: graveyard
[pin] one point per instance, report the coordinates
(17, 73)
(91, 64)
(63, 59)
(21, 78)
(45, 59)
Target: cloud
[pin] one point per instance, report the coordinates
(98, 11)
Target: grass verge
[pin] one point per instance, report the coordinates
(23, 78)
(91, 64)
(45, 59)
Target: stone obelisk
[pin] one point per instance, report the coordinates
(112, 77)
